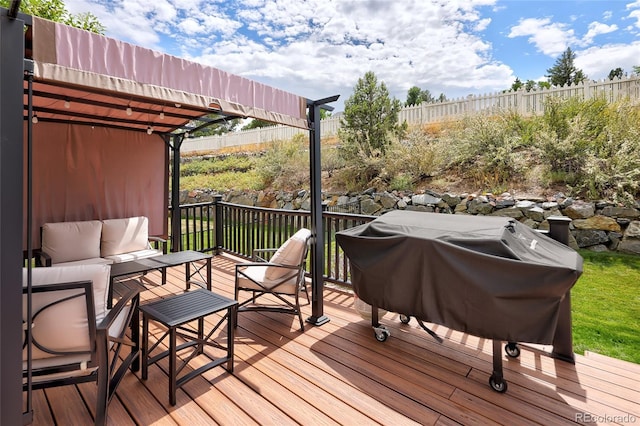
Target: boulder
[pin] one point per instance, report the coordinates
(590, 237)
(535, 213)
(624, 212)
(369, 207)
(424, 200)
(580, 210)
(597, 222)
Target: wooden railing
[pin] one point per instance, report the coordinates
(238, 229)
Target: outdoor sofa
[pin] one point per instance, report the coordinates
(97, 241)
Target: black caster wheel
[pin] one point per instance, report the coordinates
(381, 334)
(500, 386)
(512, 350)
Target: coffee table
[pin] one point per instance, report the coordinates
(187, 257)
(174, 312)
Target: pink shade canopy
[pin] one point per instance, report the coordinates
(80, 69)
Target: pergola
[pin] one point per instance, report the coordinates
(88, 125)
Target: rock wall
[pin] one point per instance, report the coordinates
(595, 225)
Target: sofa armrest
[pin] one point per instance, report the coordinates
(159, 242)
(40, 257)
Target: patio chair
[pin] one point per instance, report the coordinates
(282, 277)
(74, 337)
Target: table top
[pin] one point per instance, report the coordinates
(180, 257)
(157, 262)
(182, 308)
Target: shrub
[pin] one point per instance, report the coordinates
(412, 159)
(221, 182)
(285, 165)
(593, 146)
(217, 165)
(487, 150)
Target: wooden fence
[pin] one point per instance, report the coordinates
(522, 102)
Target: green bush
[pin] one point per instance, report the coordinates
(488, 150)
(221, 182)
(593, 146)
(285, 165)
(217, 165)
(412, 159)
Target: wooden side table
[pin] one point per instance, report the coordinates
(174, 313)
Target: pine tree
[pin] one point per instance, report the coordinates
(564, 72)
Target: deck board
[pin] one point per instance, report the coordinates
(340, 374)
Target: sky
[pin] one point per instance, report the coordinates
(320, 48)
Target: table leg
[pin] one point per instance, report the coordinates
(200, 348)
(145, 346)
(209, 283)
(135, 334)
(188, 275)
(172, 366)
(230, 338)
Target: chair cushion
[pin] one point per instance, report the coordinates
(134, 255)
(290, 253)
(91, 261)
(124, 235)
(70, 241)
(64, 326)
(257, 273)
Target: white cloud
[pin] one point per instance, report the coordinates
(550, 38)
(326, 46)
(595, 29)
(633, 5)
(635, 15)
(596, 62)
(190, 26)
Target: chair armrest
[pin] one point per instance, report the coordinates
(113, 314)
(256, 254)
(159, 241)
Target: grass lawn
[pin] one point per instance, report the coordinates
(606, 306)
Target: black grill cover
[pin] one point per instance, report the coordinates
(488, 276)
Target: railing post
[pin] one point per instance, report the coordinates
(563, 337)
(219, 225)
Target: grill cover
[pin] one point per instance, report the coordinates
(488, 276)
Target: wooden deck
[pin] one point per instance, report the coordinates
(339, 373)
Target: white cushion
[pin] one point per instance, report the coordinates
(70, 241)
(257, 273)
(134, 255)
(290, 253)
(124, 235)
(63, 326)
(92, 261)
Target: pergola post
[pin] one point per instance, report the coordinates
(11, 222)
(176, 225)
(317, 232)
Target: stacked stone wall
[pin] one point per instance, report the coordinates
(595, 225)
